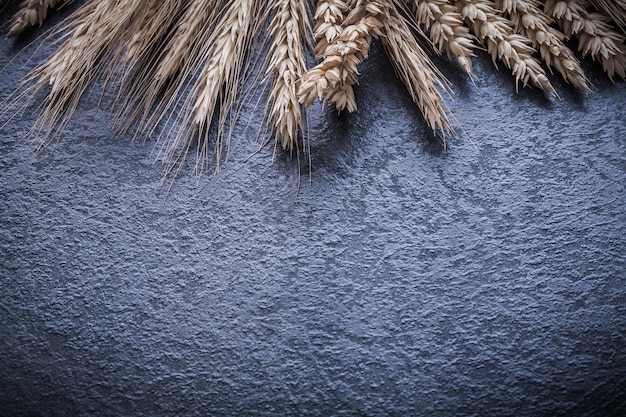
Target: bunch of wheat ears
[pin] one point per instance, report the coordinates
(188, 63)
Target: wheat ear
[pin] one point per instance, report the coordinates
(415, 70)
(446, 30)
(31, 13)
(288, 27)
(532, 22)
(329, 15)
(217, 83)
(595, 35)
(496, 33)
(71, 68)
(158, 89)
(338, 72)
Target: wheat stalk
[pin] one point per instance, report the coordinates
(415, 69)
(288, 27)
(496, 33)
(31, 13)
(446, 30)
(532, 22)
(595, 35)
(338, 72)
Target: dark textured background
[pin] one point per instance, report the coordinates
(487, 278)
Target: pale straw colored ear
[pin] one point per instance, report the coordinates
(530, 21)
(446, 30)
(89, 36)
(218, 85)
(333, 78)
(496, 33)
(415, 70)
(288, 28)
(596, 37)
(31, 13)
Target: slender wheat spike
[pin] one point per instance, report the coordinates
(496, 33)
(616, 9)
(74, 64)
(595, 35)
(415, 69)
(288, 27)
(31, 13)
(337, 73)
(446, 30)
(218, 82)
(532, 22)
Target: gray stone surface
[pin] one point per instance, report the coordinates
(487, 278)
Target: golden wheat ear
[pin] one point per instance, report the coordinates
(496, 34)
(216, 89)
(415, 69)
(530, 21)
(31, 13)
(446, 30)
(333, 78)
(289, 33)
(615, 9)
(595, 34)
(85, 42)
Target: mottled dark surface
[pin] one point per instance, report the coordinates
(404, 279)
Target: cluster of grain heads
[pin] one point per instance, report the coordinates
(596, 36)
(179, 66)
(497, 35)
(530, 21)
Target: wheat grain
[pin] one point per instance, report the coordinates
(329, 15)
(31, 13)
(446, 30)
(496, 33)
(596, 37)
(288, 27)
(338, 72)
(532, 22)
(415, 70)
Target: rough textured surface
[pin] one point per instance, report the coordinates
(404, 279)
